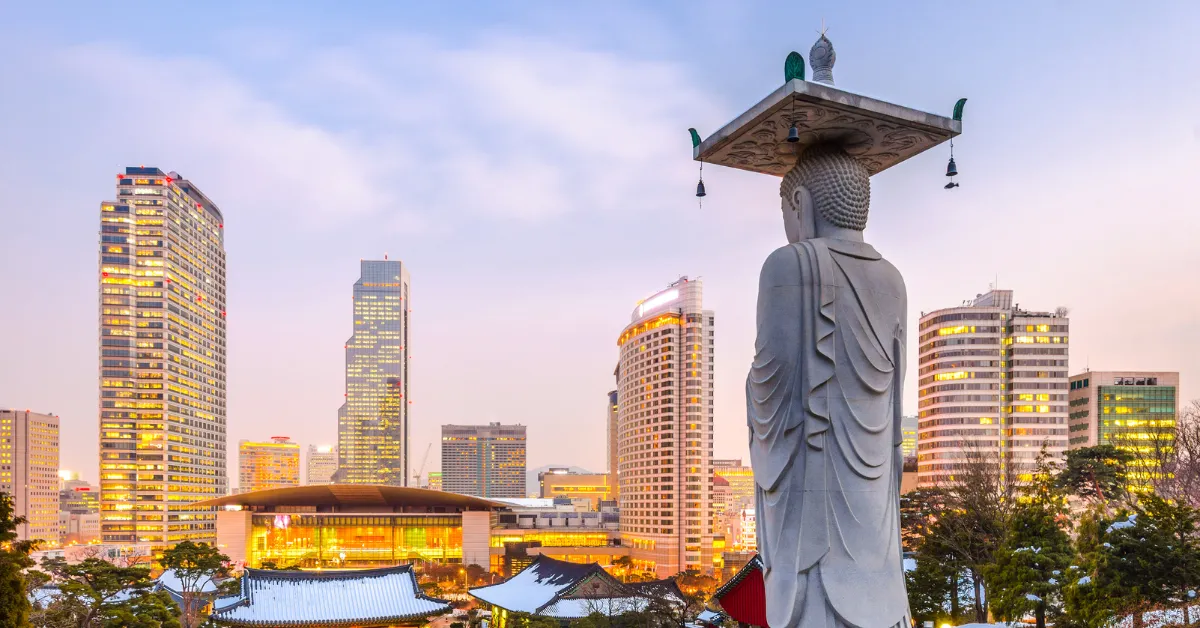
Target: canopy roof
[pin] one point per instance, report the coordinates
(352, 496)
(328, 598)
(877, 133)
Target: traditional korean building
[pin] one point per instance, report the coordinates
(565, 591)
(370, 598)
(743, 597)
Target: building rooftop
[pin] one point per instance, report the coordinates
(353, 498)
(328, 598)
(555, 588)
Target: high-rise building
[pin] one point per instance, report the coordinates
(263, 465)
(562, 482)
(1132, 410)
(722, 496)
(908, 436)
(741, 482)
(992, 387)
(78, 497)
(322, 463)
(484, 460)
(373, 422)
(665, 419)
(29, 471)
(612, 444)
(162, 360)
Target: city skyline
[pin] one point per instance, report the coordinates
(312, 188)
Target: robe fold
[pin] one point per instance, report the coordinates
(823, 406)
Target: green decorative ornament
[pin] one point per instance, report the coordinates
(695, 137)
(793, 68)
(958, 108)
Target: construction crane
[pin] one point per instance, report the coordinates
(421, 469)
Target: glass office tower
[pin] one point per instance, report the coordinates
(373, 422)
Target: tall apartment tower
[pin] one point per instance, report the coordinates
(993, 385)
(373, 422)
(263, 465)
(320, 465)
(484, 460)
(162, 360)
(1132, 410)
(29, 471)
(665, 431)
(611, 441)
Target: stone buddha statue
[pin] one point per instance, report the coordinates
(823, 403)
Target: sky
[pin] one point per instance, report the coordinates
(530, 162)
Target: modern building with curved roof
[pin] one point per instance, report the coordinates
(362, 526)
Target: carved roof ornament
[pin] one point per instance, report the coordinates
(822, 57)
(875, 132)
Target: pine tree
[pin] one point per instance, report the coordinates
(14, 559)
(1027, 571)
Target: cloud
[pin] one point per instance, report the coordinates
(408, 127)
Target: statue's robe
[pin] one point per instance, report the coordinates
(823, 405)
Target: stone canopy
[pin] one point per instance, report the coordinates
(877, 133)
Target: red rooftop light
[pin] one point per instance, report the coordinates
(105, 273)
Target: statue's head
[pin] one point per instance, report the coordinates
(826, 191)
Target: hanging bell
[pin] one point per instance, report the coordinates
(951, 169)
(793, 134)
(700, 189)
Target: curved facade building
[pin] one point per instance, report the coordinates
(664, 431)
(992, 384)
(162, 360)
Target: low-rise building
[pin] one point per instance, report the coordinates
(562, 482)
(371, 598)
(340, 526)
(565, 591)
(321, 464)
(1131, 410)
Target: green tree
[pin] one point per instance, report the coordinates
(1096, 474)
(1027, 574)
(1147, 560)
(14, 559)
(973, 522)
(96, 589)
(144, 609)
(931, 587)
(196, 566)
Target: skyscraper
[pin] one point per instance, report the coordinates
(993, 386)
(1132, 410)
(373, 422)
(484, 460)
(29, 471)
(162, 360)
(611, 441)
(321, 464)
(263, 465)
(665, 418)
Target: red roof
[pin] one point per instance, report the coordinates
(743, 597)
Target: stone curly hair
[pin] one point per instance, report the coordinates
(840, 186)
